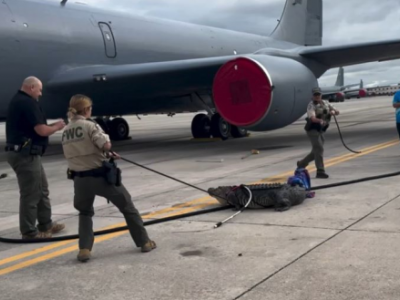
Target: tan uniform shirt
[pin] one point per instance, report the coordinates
(317, 109)
(82, 143)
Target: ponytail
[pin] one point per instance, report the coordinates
(77, 105)
(71, 113)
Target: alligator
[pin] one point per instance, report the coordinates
(279, 196)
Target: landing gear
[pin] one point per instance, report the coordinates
(117, 128)
(238, 132)
(212, 124)
(201, 125)
(219, 127)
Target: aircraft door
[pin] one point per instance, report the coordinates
(9, 36)
(8, 28)
(109, 42)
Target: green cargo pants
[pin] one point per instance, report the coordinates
(34, 203)
(86, 189)
(317, 141)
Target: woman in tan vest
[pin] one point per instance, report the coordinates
(84, 145)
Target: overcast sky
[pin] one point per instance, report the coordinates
(345, 21)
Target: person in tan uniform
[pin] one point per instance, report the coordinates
(85, 144)
(319, 114)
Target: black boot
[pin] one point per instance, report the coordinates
(322, 175)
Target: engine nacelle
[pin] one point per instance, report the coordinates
(362, 93)
(339, 97)
(261, 92)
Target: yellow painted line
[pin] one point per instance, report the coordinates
(191, 209)
(44, 249)
(183, 208)
(33, 252)
(175, 207)
(54, 254)
(63, 243)
(45, 257)
(333, 161)
(365, 152)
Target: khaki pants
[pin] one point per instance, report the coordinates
(317, 141)
(34, 203)
(86, 189)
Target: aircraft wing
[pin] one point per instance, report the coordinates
(337, 56)
(172, 78)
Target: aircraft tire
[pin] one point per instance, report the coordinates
(119, 129)
(201, 126)
(238, 132)
(103, 124)
(219, 127)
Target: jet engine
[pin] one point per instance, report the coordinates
(339, 97)
(260, 92)
(362, 93)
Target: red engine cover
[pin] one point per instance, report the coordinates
(340, 95)
(362, 93)
(242, 92)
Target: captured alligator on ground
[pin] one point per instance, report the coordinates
(279, 196)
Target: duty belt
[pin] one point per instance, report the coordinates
(100, 172)
(30, 149)
(109, 171)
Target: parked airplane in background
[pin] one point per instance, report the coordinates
(333, 93)
(339, 91)
(132, 65)
(359, 92)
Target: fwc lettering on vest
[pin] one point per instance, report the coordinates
(73, 134)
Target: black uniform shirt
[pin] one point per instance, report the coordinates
(24, 113)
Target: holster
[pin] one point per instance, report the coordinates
(112, 173)
(307, 127)
(70, 174)
(312, 126)
(315, 126)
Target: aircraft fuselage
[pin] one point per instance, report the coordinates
(42, 38)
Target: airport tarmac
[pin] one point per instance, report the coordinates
(342, 244)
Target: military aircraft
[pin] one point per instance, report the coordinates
(333, 93)
(131, 65)
(359, 92)
(339, 91)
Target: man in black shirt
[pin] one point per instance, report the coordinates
(27, 135)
